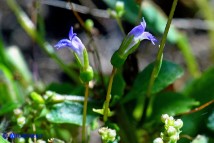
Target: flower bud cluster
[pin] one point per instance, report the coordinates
(119, 10)
(107, 134)
(172, 130)
(21, 120)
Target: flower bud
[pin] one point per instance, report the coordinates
(37, 98)
(21, 121)
(178, 123)
(40, 141)
(89, 24)
(119, 7)
(158, 140)
(17, 112)
(171, 131)
(87, 75)
(164, 117)
(20, 140)
(174, 138)
(107, 134)
(170, 121)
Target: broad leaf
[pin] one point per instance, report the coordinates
(168, 73)
(171, 103)
(202, 89)
(68, 112)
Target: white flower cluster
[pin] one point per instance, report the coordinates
(172, 130)
(107, 134)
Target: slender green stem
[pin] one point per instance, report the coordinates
(157, 62)
(108, 96)
(84, 140)
(120, 25)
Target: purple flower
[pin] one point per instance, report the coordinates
(73, 43)
(140, 34)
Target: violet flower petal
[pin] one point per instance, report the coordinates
(138, 30)
(148, 36)
(63, 43)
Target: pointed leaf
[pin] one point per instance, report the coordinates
(168, 73)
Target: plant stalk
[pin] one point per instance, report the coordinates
(120, 25)
(108, 95)
(85, 114)
(157, 62)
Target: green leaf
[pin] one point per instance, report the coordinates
(200, 139)
(19, 64)
(8, 107)
(2, 140)
(68, 112)
(171, 103)
(168, 73)
(202, 88)
(210, 123)
(8, 86)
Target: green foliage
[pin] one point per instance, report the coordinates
(68, 112)
(168, 73)
(201, 90)
(156, 22)
(171, 103)
(56, 110)
(2, 140)
(210, 123)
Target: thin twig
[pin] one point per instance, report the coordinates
(197, 109)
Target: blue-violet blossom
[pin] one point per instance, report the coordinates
(73, 43)
(80, 52)
(131, 43)
(140, 34)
